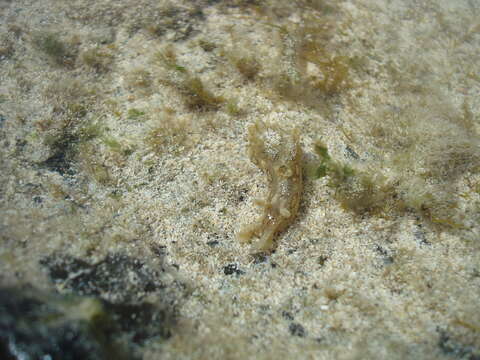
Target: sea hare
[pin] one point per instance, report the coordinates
(279, 155)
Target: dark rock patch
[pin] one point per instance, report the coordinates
(450, 347)
(35, 325)
(121, 283)
(62, 155)
(117, 278)
(232, 269)
(297, 329)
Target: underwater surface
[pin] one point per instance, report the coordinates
(208, 179)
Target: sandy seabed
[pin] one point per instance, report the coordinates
(126, 174)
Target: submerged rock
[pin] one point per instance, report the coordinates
(105, 315)
(35, 325)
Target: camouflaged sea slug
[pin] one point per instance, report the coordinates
(279, 155)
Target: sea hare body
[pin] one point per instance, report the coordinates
(279, 155)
